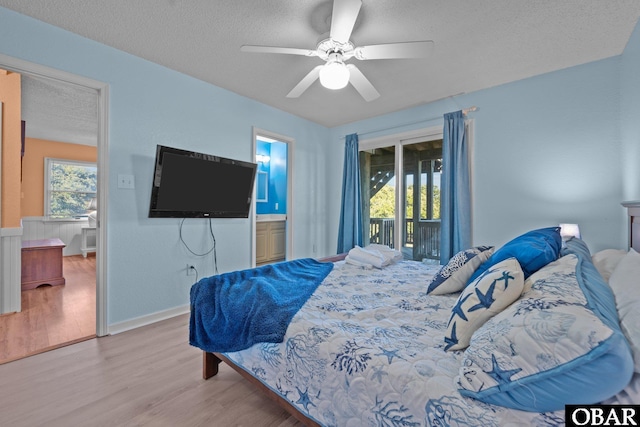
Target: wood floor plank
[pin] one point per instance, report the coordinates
(52, 316)
(148, 376)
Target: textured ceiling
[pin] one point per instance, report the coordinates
(57, 111)
(477, 43)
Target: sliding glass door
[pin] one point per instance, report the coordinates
(401, 196)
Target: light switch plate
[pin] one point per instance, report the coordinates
(126, 181)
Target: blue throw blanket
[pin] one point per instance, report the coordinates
(233, 311)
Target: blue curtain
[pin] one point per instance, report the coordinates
(455, 202)
(350, 231)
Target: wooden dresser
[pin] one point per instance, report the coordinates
(42, 263)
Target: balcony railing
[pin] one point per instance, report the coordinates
(381, 231)
(423, 242)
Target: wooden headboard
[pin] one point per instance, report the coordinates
(633, 208)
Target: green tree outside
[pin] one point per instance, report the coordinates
(383, 203)
(71, 189)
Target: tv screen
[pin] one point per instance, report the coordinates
(187, 184)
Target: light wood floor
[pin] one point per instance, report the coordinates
(148, 376)
(53, 316)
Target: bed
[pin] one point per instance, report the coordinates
(385, 347)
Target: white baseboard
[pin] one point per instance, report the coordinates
(127, 325)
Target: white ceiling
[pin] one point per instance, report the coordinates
(477, 43)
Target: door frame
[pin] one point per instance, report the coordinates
(102, 91)
(289, 213)
(1, 107)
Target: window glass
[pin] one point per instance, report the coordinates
(70, 186)
(421, 219)
(401, 197)
(377, 172)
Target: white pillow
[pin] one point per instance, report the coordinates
(607, 260)
(625, 283)
(488, 295)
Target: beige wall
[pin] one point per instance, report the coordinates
(10, 96)
(33, 169)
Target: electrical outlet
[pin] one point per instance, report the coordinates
(191, 270)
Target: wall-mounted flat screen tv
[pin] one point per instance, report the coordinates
(187, 184)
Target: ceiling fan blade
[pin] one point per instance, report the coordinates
(305, 82)
(420, 49)
(274, 49)
(343, 18)
(362, 84)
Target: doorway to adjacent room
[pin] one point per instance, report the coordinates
(81, 308)
(273, 240)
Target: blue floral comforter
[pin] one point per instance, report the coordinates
(367, 350)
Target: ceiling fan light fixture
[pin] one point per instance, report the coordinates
(334, 75)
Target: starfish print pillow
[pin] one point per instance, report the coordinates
(553, 346)
(488, 295)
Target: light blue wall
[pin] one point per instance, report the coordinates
(547, 150)
(630, 117)
(151, 105)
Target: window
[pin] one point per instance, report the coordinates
(69, 187)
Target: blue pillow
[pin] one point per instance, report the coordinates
(533, 250)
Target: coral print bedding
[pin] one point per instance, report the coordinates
(371, 347)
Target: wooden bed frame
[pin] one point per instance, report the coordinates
(210, 362)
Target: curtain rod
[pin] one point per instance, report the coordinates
(465, 111)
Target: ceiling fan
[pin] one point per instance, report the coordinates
(337, 49)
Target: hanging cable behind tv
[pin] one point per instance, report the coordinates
(211, 250)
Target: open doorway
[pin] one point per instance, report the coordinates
(83, 296)
(273, 198)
